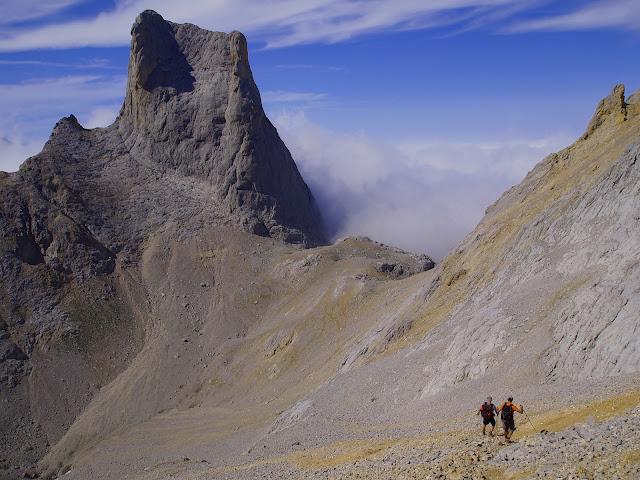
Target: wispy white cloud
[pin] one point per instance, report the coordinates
(602, 14)
(50, 93)
(422, 196)
(13, 11)
(280, 96)
(102, 116)
(97, 63)
(279, 23)
(310, 66)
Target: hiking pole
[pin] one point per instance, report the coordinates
(529, 420)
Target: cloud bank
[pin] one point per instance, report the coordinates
(423, 196)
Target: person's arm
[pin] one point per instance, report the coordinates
(518, 408)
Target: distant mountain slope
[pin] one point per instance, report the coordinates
(548, 281)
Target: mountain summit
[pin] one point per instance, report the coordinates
(192, 107)
(191, 146)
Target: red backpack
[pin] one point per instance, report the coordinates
(486, 410)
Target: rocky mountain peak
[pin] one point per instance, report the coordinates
(191, 128)
(192, 105)
(612, 107)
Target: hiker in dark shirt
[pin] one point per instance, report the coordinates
(488, 411)
(507, 409)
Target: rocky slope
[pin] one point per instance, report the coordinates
(550, 276)
(160, 317)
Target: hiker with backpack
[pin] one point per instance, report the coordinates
(507, 409)
(488, 411)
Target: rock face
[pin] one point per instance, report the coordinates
(548, 281)
(192, 117)
(192, 106)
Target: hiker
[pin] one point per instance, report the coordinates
(507, 409)
(488, 411)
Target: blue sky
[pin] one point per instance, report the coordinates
(402, 114)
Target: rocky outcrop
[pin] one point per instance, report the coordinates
(613, 107)
(192, 121)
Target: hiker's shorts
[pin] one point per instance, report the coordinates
(508, 424)
(487, 421)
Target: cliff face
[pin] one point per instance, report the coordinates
(192, 106)
(192, 118)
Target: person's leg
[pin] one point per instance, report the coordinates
(484, 426)
(493, 426)
(510, 429)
